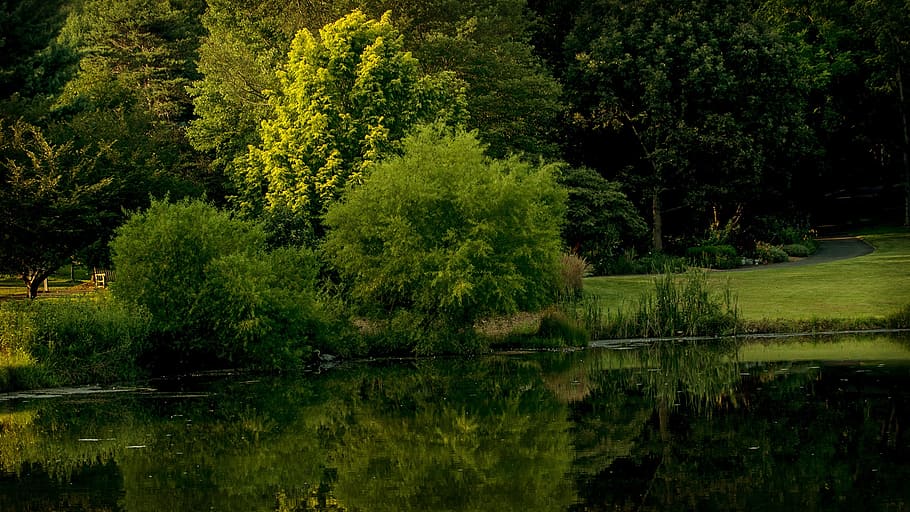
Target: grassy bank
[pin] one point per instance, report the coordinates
(864, 292)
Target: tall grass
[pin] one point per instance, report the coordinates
(677, 305)
(66, 341)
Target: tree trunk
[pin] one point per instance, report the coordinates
(33, 280)
(657, 235)
(903, 111)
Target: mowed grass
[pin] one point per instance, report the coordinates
(871, 286)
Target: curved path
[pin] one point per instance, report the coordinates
(829, 249)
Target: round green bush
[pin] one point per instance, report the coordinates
(796, 250)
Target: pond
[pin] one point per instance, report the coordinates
(795, 424)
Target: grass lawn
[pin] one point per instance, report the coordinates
(13, 287)
(870, 286)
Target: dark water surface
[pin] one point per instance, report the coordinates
(787, 425)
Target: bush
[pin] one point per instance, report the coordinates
(797, 250)
(448, 235)
(652, 263)
(599, 217)
(714, 256)
(770, 253)
(215, 294)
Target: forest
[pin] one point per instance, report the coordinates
(300, 131)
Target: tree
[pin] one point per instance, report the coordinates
(449, 235)
(886, 23)
(512, 98)
(599, 217)
(215, 294)
(344, 103)
(708, 97)
(54, 202)
(246, 42)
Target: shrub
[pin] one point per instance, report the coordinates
(797, 250)
(449, 235)
(770, 253)
(652, 263)
(713, 256)
(557, 326)
(215, 294)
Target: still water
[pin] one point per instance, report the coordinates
(791, 424)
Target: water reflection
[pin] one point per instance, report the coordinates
(675, 426)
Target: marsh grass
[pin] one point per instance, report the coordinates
(677, 305)
(66, 341)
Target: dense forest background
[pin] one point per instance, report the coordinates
(680, 123)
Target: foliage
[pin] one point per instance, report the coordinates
(707, 100)
(600, 219)
(797, 250)
(449, 234)
(512, 99)
(344, 102)
(630, 262)
(769, 253)
(55, 200)
(73, 341)
(212, 289)
(678, 305)
(573, 270)
(714, 256)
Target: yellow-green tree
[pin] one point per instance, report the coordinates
(345, 101)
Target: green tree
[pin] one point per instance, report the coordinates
(710, 99)
(214, 293)
(55, 200)
(244, 45)
(512, 98)
(345, 101)
(449, 235)
(885, 21)
(599, 217)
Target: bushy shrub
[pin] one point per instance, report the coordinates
(714, 256)
(557, 326)
(215, 294)
(449, 235)
(797, 250)
(651, 263)
(770, 253)
(599, 217)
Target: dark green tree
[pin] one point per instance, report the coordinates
(55, 200)
(709, 98)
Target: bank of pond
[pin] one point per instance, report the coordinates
(768, 424)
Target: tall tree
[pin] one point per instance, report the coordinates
(136, 59)
(245, 43)
(709, 98)
(513, 99)
(344, 103)
(885, 21)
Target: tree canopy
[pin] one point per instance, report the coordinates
(345, 101)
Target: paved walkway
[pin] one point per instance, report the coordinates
(829, 249)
